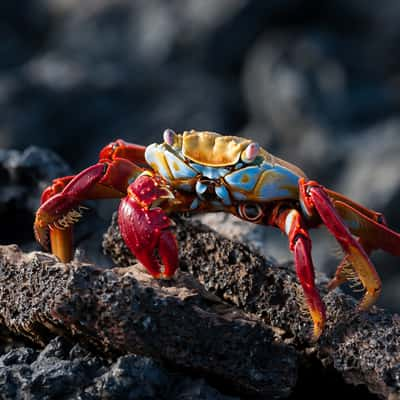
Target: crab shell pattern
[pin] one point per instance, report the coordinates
(222, 169)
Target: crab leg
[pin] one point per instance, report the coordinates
(317, 198)
(121, 149)
(291, 223)
(61, 243)
(372, 229)
(61, 208)
(345, 271)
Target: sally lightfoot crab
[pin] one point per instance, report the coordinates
(204, 171)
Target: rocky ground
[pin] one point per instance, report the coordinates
(316, 83)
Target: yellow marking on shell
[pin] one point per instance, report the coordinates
(213, 149)
(175, 166)
(161, 163)
(245, 178)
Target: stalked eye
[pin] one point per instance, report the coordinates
(250, 153)
(250, 211)
(169, 136)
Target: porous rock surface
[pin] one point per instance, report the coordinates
(122, 311)
(363, 347)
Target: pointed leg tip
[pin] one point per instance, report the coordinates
(166, 277)
(61, 244)
(317, 332)
(318, 327)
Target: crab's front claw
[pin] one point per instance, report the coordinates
(145, 227)
(61, 202)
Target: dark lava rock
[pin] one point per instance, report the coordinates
(121, 311)
(64, 370)
(362, 347)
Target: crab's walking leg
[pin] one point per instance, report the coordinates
(316, 198)
(291, 223)
(370, 227)
(345, 271)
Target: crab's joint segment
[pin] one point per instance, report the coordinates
(290, 222)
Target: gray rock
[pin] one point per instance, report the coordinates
(71, 372)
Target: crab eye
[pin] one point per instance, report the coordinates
(250, 153)
(169, 136)
(250, 212)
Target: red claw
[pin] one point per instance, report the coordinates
(145, 228)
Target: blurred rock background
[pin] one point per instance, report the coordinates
(316, 83)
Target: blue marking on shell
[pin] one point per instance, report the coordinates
(195, 204)
(239, 165)
(178, 168)
(239, 196)
(200, 188)
(210, 172)
(244, 179)
(264, 183)
(276, 187)
(223, 194)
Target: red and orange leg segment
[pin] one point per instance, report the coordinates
(145, 227)
(368, 225)
(316, 200)
(60, 207)
(121, 149)
(291, 223)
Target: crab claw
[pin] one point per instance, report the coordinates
(61, 202)
(145, 227)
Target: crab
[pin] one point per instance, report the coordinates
(207, 172)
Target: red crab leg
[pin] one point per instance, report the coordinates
(373, 231)
(291, 223)
(58, 211)
(145, 227)
(121, 149)
(345, 271)
(316, 198)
